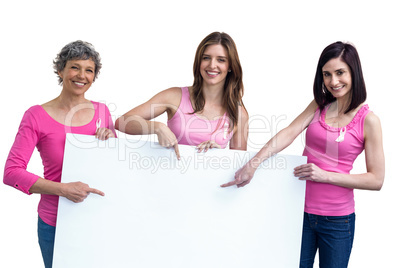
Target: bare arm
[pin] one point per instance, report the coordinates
(240, 136)
(375, 163)
(276, 144)
(138, 120)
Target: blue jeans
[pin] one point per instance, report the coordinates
(331, 235)
(46, 234)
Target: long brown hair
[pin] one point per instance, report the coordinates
(233, 88)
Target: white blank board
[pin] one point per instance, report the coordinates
(161, 212)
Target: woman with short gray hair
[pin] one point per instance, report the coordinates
(45, 127)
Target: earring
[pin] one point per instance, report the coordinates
(229, 70)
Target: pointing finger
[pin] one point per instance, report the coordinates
(231, 183)
(176, 149)
(96, 191)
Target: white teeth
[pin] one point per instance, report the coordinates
(337, 88)
(212, 73)
(79, 84)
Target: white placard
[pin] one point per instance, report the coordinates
(161, 212)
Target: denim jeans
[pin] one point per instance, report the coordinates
(331, 235)
(46, 234)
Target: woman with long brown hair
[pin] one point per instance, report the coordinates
(208, 114)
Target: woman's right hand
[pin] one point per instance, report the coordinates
(167, 138)
(78, 191)
(242, 177)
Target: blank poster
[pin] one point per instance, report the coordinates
(161, 212)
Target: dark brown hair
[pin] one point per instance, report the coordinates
(348, 54)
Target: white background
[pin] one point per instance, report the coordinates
(150, 46)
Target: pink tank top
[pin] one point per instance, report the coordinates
(190, 129)
(323, 150)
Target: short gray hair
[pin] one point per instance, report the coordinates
(77, 50)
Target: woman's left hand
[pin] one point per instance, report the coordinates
(311, 172)
(104, 133)
(206, 145)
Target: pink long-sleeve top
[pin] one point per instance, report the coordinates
(38, 129)
(323, 150)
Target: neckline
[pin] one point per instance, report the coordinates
(222, 117)
(350, 125)
(63, 125)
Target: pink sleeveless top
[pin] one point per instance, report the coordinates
(190, 129)
(323, 150)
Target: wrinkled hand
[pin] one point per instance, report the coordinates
(206, 145)
(78, 191)
(311, 172)
(242, 177)
(104, 133)
(166, 138)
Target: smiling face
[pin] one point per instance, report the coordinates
(214, 65)
(78, 76)
(337, 78)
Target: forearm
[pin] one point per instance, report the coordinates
(42, 186)
(136, 125)
(275, 145)
(279, 142)
(74, 191)
(365, 181)
(371, 180)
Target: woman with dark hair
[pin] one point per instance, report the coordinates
(45, 127)
(339, 127)
(208, 114)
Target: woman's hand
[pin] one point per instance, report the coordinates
(167, 138)
(104, 134)
(206, 145)
(311, 172)
(78, 191)
(242, 177)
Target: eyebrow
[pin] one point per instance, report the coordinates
(81, 66)
(341, 69)
(218, 56)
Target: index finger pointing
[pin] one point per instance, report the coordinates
(176, 149)
(96, 191)
(231, 183)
